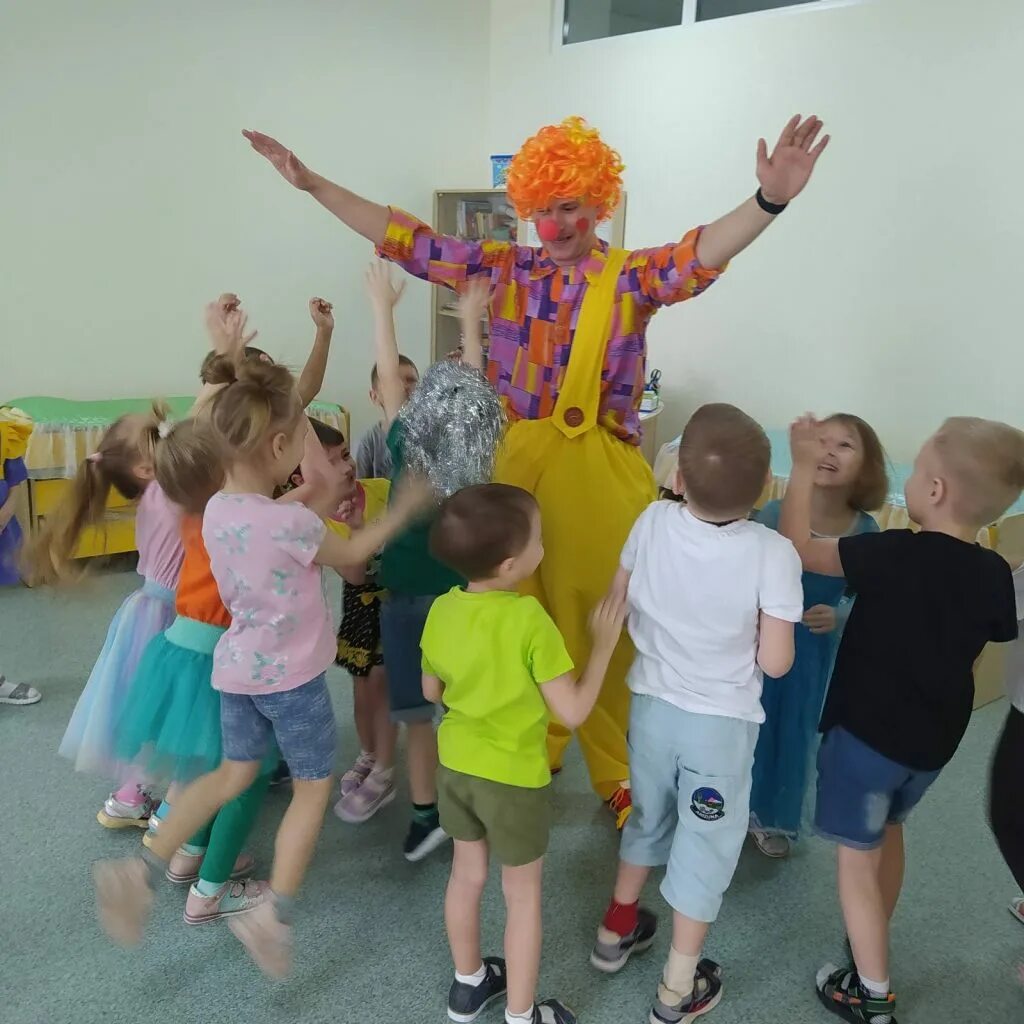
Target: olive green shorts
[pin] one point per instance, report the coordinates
(515, 822)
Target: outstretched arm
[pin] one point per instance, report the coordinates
(364, 217)
(383, 297)
(782, 176)
(473, 302)
(818, 555)
(311, 380)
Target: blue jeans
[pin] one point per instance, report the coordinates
(301, 720)
(861, 791)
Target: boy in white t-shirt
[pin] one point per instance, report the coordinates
(712, 601)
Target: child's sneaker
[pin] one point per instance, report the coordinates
(611, 951)
(422, 839)
(357, 774)
(706, 995)
(183, 868)
(1017, 908)
(551, 1011)
(116, 814)
(124, 897)
(232, 898)
(359, 805)
(467, 1002)
(268, 940)
(281, 776)
(841, 992)
(771, 844)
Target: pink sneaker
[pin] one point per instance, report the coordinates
(357, 774)
(362, 804)
(183, 868)
(232, 898)
(268, 940)
(124, 898)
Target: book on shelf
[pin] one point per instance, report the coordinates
(479, 219)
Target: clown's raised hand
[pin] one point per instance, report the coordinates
(785, 171)
(290, 167)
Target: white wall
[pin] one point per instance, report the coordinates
(891, 287)
(130, 197)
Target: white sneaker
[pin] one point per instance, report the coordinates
(1017, 908)
(115, 814)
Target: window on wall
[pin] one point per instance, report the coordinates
(583, 20)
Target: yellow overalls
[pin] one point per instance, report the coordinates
(591, 487)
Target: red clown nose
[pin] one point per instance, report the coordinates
(547, 229)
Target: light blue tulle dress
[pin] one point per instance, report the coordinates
(792, 704)
(89, 739)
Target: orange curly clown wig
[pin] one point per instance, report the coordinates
(565, 161)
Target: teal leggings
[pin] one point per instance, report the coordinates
(225, 835)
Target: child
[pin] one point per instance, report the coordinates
(412, 578)
(311, 380)
(270, 665)
(368, 785)
(850, 480)
(1006, 810)
(170, 720)
(497, 663)
(713, 598)
(373, 461)
(903, 685)
(125, 460)
(15, 430)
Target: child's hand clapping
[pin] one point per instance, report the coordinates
(350, 512)
(225, 323)
(606, 620)
(382, 290)
(322, 313)
(805, 441)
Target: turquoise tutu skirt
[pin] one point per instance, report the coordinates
(89, 739)
(169, 726)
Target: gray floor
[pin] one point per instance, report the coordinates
(371, 943)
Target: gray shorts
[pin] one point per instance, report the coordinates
(690, 776)
(301, 720)
(402, 619)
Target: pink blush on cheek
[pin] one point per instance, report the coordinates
(583, 225)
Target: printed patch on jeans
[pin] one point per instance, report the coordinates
(708, 804)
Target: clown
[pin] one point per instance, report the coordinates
(567, 356)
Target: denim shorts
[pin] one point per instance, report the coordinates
(402, 619)
(301, 720)
(861, 791)
(690, 776)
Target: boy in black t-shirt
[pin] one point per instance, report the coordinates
(903, 686)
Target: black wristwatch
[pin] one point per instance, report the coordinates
(773, 208)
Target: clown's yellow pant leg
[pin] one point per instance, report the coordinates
(591, 489)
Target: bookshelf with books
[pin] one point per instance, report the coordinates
(478, 214)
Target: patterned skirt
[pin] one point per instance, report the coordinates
(359, 647)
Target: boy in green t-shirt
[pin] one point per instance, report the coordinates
(498, 664)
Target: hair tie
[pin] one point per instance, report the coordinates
(164, 428)
(95, 457)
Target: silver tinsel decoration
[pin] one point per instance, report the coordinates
(453, 423)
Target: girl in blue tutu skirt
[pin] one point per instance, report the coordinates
(851, 481)
(123, 461)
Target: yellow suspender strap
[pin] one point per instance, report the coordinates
(576, 410)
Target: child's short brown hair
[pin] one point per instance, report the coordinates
(985, 463)
(871, 487)
(250, 352)
(479, 527)
(724, 459)
(402, 361)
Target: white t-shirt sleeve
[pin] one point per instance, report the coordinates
(628, 557)
(781, 589)
(298, 531)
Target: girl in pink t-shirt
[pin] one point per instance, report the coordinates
(270, 664)
(124, 461)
